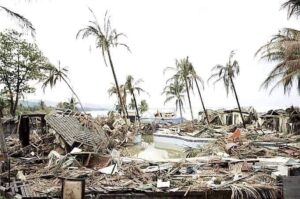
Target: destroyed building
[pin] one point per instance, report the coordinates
(230, 116)
(73, 155)
(276, 120)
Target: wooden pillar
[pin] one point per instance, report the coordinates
(24, 131)
(2, 143)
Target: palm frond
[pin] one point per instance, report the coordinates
(22, 21)
(293, 7)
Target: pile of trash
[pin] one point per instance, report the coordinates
(248, 162)
(113, 173)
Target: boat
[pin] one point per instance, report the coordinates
(165, 138)
(163, 118)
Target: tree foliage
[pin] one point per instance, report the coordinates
(106, 38)
(71, 104)
(21, 20)
(227, 73)
(174, 90)
(293, 7)
(56, 74)
(123, 93)
(184, 73)
(21, 63)
(284, 50)
(132, 86)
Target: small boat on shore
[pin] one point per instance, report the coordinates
(164, 138)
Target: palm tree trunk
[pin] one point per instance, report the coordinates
(136, 107)
(116, 82)
(124, 102)
(188, 94)
(11, 104)
(237, 100)
(180, 109)
(201, 99)
(72, 90)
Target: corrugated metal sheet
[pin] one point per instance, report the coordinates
(69, 128)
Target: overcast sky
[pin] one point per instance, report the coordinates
(158, 32)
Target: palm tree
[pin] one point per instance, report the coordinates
(59, 74)
(106, 38)
(71, 104)
(293, 7)
(114, 91)
(131, 105)
(131, 86)
(196, 79)
(175, 90)
(227, 74)
(184, 74)
(143, 107)
(22, 21)
(284, 49)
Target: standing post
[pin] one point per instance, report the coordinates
(2, 143)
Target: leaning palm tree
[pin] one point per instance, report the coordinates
(284, 50)
(174, 90)
(133, 86)
(59, 74)
(197, 79)
(123, 92)
(21, 20)
(106, 38)
(183, 69)
(227, 73)
(293, 7)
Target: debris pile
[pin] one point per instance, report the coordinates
(244, 163)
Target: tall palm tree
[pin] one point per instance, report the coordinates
(59, 74)
(106, 38)
(284, 49)
(293, 7)
(227, 73)
(123, 92)
(184, 74)
(131, 86)
(174, 90)
(21, 20)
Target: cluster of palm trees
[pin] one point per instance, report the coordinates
(182, 81)
(284, 48)
(185, 75)
(130, 87)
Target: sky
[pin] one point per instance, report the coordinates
(158, 32)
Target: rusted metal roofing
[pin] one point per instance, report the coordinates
(70, 129)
